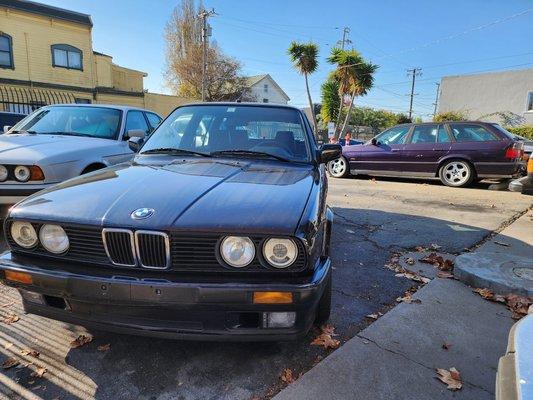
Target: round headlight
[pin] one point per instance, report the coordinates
(237, 251)
(54, 239)
(3, 173)
(280, 253)
(22, 173)
(24, 234)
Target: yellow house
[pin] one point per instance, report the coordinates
(47, 57)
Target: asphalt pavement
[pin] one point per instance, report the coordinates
(374, 218)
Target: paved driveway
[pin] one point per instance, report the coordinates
(373, 218)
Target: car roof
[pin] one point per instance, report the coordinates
(112, 106)
(449, 122)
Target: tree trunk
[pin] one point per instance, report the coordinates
(315, 125)
(348, 113)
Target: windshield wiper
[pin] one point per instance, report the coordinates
(248, 153)
(173, 150)
(66, 133)
(23, 131)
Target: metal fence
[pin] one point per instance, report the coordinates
(25, 100)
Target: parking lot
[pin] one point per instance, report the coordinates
(374, 218)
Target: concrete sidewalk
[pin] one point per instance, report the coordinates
(396, 356)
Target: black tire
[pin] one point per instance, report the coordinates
(457, 173)
(323, 309)
(339, 168)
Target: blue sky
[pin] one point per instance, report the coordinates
(438, 36)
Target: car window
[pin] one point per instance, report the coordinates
(153, 119)
(471, 133)
(136, 120)
(442, 135)
(396, 135)
(71, 120)
(424, 134)
(274, 130)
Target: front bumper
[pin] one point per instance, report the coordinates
(13, 193)
(168, 309)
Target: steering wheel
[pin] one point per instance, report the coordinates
(278, 146)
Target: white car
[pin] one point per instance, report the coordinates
(59, 142)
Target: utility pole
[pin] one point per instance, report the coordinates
(436, 98)
(414, 72)
(206, 32)
(345, 40)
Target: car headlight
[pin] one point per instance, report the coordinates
(23, 233)
(22, 173)
(3, 173)
(280, 253)
(54, 239)
(237, 251)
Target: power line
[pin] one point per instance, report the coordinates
(414, 73)
(206, 32)
(436, 99)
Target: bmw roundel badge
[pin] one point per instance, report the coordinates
(142, 213)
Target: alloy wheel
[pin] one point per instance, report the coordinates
(456, 173)
(337, 168)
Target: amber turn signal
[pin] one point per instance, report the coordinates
(530, 165)
(272, 298)
(20, 277)
(36, 173)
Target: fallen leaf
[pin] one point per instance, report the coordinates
(374, 316)
(81, 340)
(502, 244)
(29, 352)
(445, 275)
(325, 339)
(408, 298)
(434, 246)
(10, 363)
(446, 346)
(287, 376)
(451, 377)
(39, 372)
(438, 261)
(413, 277)
(104, 347)
(518, 305)
(11, 319)
(409, 261)
(485, 293)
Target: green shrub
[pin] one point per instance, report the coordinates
(524, 130)
(450, 116)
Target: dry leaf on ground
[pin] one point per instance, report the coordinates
(485, 293)
(438, 261)
(104, 347)
(410, 261)
(81, 341)
(518, 305)
(39, 372)
(445, 275)
(451, 377)
(413, 277)
(435, 246)
(325, 339)
(10, 363)
(29, 352)
(374, 316)
(287, 376)
(11, 319)
(408, 298)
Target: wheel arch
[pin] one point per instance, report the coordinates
(93, 166)
(451, 157)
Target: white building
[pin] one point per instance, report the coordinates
(483, 94)
(265, 90)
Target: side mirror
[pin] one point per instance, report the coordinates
(135, 143)
(135, 133)
(374, 141)
(329, 152)
(6, 128)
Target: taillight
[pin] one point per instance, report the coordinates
(515, 151)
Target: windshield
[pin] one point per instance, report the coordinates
(209, 129)
(96, 122)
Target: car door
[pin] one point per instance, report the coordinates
(385, 156)
(135, 119)
(426, 146)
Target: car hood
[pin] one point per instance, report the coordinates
(192, 194)
(24, 147)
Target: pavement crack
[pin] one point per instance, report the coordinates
(432, 369)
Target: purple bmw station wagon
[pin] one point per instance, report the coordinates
(455, 152)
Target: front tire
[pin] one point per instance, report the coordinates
(457, 173)
(339, 168)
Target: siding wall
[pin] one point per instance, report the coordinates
(484, 94)
(273, 95)
(32, 37)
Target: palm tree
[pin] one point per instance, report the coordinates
(346, 60)
(304, 56)
(330, 99)
(360, 81)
